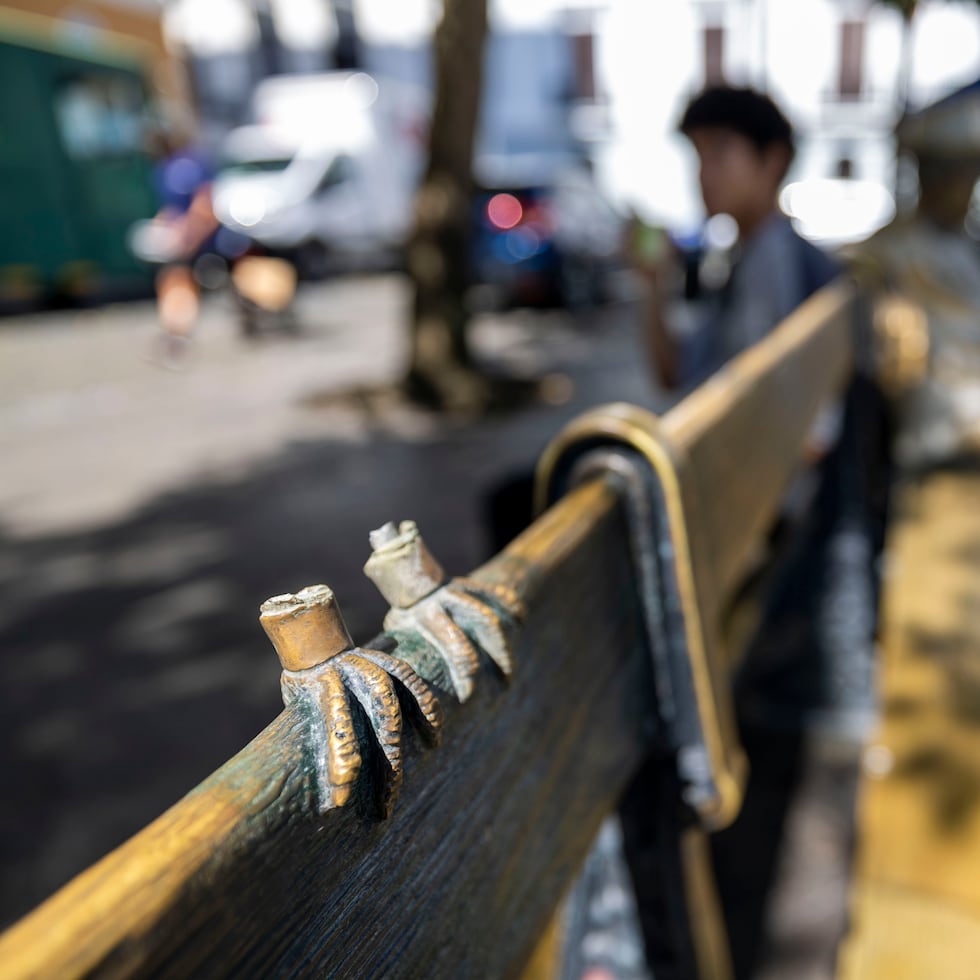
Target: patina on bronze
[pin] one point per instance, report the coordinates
(453, 620)
(321, 670)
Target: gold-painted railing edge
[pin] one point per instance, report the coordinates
(723, 458)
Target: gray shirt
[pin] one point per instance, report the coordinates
(772, 273)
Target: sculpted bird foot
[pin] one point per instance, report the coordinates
(323, 670)
(455, 619)
(369, 676)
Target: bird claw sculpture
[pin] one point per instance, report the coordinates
(322, 670)
(455, 619)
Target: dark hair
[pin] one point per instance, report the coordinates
(741, 110)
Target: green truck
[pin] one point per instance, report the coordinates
(74, 174)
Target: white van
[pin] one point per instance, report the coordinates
(328, 173)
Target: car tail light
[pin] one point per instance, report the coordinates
(504, 211)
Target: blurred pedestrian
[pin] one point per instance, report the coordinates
(745, 146)
(810, 662)
(187, 225)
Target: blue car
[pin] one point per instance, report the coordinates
(544, 244)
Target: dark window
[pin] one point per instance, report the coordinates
(100, 115)
(851, 59)
(714, 55)
(583, 47)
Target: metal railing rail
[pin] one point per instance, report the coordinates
(292, 860)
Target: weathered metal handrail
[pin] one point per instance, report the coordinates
(280, 864)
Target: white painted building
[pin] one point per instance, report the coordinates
(834, 66)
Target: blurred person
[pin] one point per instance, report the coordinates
(194, 249)
(810, 664)
(182, 179)
(924, 271)
(745, 146)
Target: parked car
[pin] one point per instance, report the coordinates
(328, 174)
(549, 239)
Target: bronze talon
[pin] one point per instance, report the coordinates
(456, 619)
(375, 692)
(343, 752)
(456, 648)
(323, 669)
(428, 704)
(501, 597)
(477, 617)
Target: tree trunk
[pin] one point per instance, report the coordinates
(441, 371)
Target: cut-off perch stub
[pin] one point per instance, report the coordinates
(321, 670)
(456, 619)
